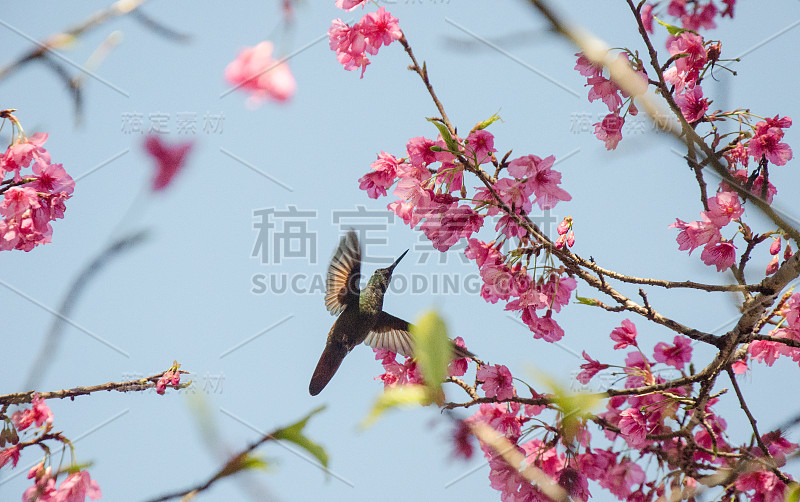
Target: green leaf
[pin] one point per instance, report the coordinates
(433, 350)
(72, 469)
(673, 30)
(294, 434)
(574, 406)
(587, 301)
(486, 123)
(241, 462)
(405, 396)
(448, 139)
(792, 493)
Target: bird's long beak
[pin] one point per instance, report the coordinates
(391, 267)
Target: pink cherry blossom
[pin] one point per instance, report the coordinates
(43, 489)
(514, 193)
(647, 17)
(543, 456)
(696, 233)
(395, 372)
(767, 141)
(349, 4)
(723, 208)
(483, 252)
(19, 202)
(383, 175)
(765, 351)
(507, 479)
(764, 484)
(529, 301)
(481, 145)
(445, 228)
(509, 227)
(596, 463)
(379, 28)
(609, 130)
(419, 151)
(545, 181)
(458, 367)
(52, 179)
(701, 17)
(586, 67)
(624, 335)
(528, 165)
(503, 417)
(77, 487)
(405, 210)
(558, 290)
(620, 478)
(686, 70)
(546, 328)
(575, 483)
(169, 160)
(720, 254)
(9, 454)
(349, 44)
(498, 282)
(758, 185)
(450, 177)
(739, 367)
(497, 381)
(605, 90)
(676, 355)
(633, 427)
(24, 151)
(692, 104)
(738, 155)
(367, 36)
(542, 179)
(39, 413)
(462, 440)
(589, 369)
(254, 70)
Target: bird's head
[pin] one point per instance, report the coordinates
(384, 275)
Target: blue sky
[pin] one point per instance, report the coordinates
(192, 293)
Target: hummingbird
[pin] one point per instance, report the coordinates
(361, 316)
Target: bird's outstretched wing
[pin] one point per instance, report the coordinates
(344, 275)
(393, 334)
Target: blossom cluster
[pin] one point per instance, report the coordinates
(430, 188)
(353, 43)
(74, 488)
(768, 352)
(566, 467)
(619, 103)
(407, 372)
(630, 419)
(693, 14)
(718, 251)
(637, 416)
(30, 200)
